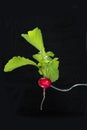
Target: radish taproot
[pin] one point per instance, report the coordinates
(44, 82)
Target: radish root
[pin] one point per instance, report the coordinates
(41, 106)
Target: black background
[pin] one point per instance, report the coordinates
(64, 31)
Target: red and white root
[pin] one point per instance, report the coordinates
(46, 83)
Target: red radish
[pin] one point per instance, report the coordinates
(44, 82)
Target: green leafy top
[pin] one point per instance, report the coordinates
(34, 37)
(46, 64)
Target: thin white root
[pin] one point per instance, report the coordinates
(66, 90)
(41, 106)
(58, 89)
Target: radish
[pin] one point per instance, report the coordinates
(44, 82)
(46, 64)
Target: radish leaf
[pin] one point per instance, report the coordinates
(34, 37)
(50, 69)
(16, 62)
(46, 64)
